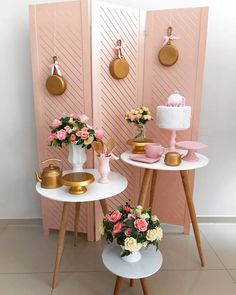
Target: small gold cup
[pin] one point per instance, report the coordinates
(172, 159)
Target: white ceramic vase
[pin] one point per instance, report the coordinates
(77, 157)
(135, 256)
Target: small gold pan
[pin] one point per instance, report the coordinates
(55, 84)
(168, 54)
(119, 67)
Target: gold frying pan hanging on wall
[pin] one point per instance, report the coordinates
(168, 54)
(119, 67)
(55, 83)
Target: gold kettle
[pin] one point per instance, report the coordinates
(51, 177)
(172, 159)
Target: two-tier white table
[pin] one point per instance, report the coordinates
(95, 192)
(149, 264)
(150, 178)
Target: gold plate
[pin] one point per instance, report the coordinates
(77, 182)
(56, 85)
(168, 55)
(138, 146)
(119, 68)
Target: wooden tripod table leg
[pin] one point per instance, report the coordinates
(104, 207)
(60, 243)
(189, 199)
(117, 285)
(131, 282)
(76, 223)
(144, 286)
(153, 184)
(145, 186)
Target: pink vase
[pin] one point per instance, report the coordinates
(104, 168)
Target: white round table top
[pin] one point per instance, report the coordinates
(149, 264)
(95, 191)
(185, 165)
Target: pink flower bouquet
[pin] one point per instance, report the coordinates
(132, 228)
(73, 129)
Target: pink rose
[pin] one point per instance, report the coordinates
(84, 135)
(115, 216)
(127, 208)
(141, 224)
(72, 138)
(51, 137)
(56, 123)
(61, 134)
(128, 231)
(68, 129)
(131, 216)
(78, 133)
(83, 118)
(117, 228)
(99, 133)
(75, 116)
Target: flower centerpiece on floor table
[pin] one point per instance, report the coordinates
(139, 117)
(74, 131)
(132, 228)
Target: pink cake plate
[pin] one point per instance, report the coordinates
(191, 147)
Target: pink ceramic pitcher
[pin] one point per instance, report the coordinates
(104, 167)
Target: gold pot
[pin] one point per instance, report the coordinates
(51, 177)
(172, 159)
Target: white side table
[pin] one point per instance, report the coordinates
(149, 264)
(95, 192)
(150, 178)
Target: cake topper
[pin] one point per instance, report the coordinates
(176, 100)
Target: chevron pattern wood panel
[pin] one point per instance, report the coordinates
(186, 77)
(111, 97)
(60, 29)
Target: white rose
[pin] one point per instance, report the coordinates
(145, 216)
(145, 109)
(154, 218)
(145, 244)
(89, 140)
(131, 244)
(139, 207)
(154, 234)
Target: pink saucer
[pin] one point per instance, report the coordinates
(143, 158)
(191, 146)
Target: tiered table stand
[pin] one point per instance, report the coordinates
(150, 179)
(95, 192)
(149, 264)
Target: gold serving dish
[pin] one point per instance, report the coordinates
(138, 146)
(77, 182)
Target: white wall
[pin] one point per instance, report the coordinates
(215, 185)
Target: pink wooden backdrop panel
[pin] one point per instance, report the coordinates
(60, 29)
(111, 97)
(159, 82)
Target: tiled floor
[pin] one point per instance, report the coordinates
(27, 259)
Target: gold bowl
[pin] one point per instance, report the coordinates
(77, 182)
(138, 146)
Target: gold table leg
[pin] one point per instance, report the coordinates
(117, 285)
(104, 207)
(144, 286)
(153, 184)
(145, 186)
(76, 223)
(60, 243)
(189, 199)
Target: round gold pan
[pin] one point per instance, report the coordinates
(56, 85)
(168, 55)
(119, 68)
(77, 182)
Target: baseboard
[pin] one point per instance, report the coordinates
(28, 221)
(216, 219)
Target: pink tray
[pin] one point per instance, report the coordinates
(143, 158)
(191, 146)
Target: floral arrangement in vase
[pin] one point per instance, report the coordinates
(139, 117)
(132, 229)
(74, 131)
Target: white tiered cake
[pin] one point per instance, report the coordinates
(175, 115)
